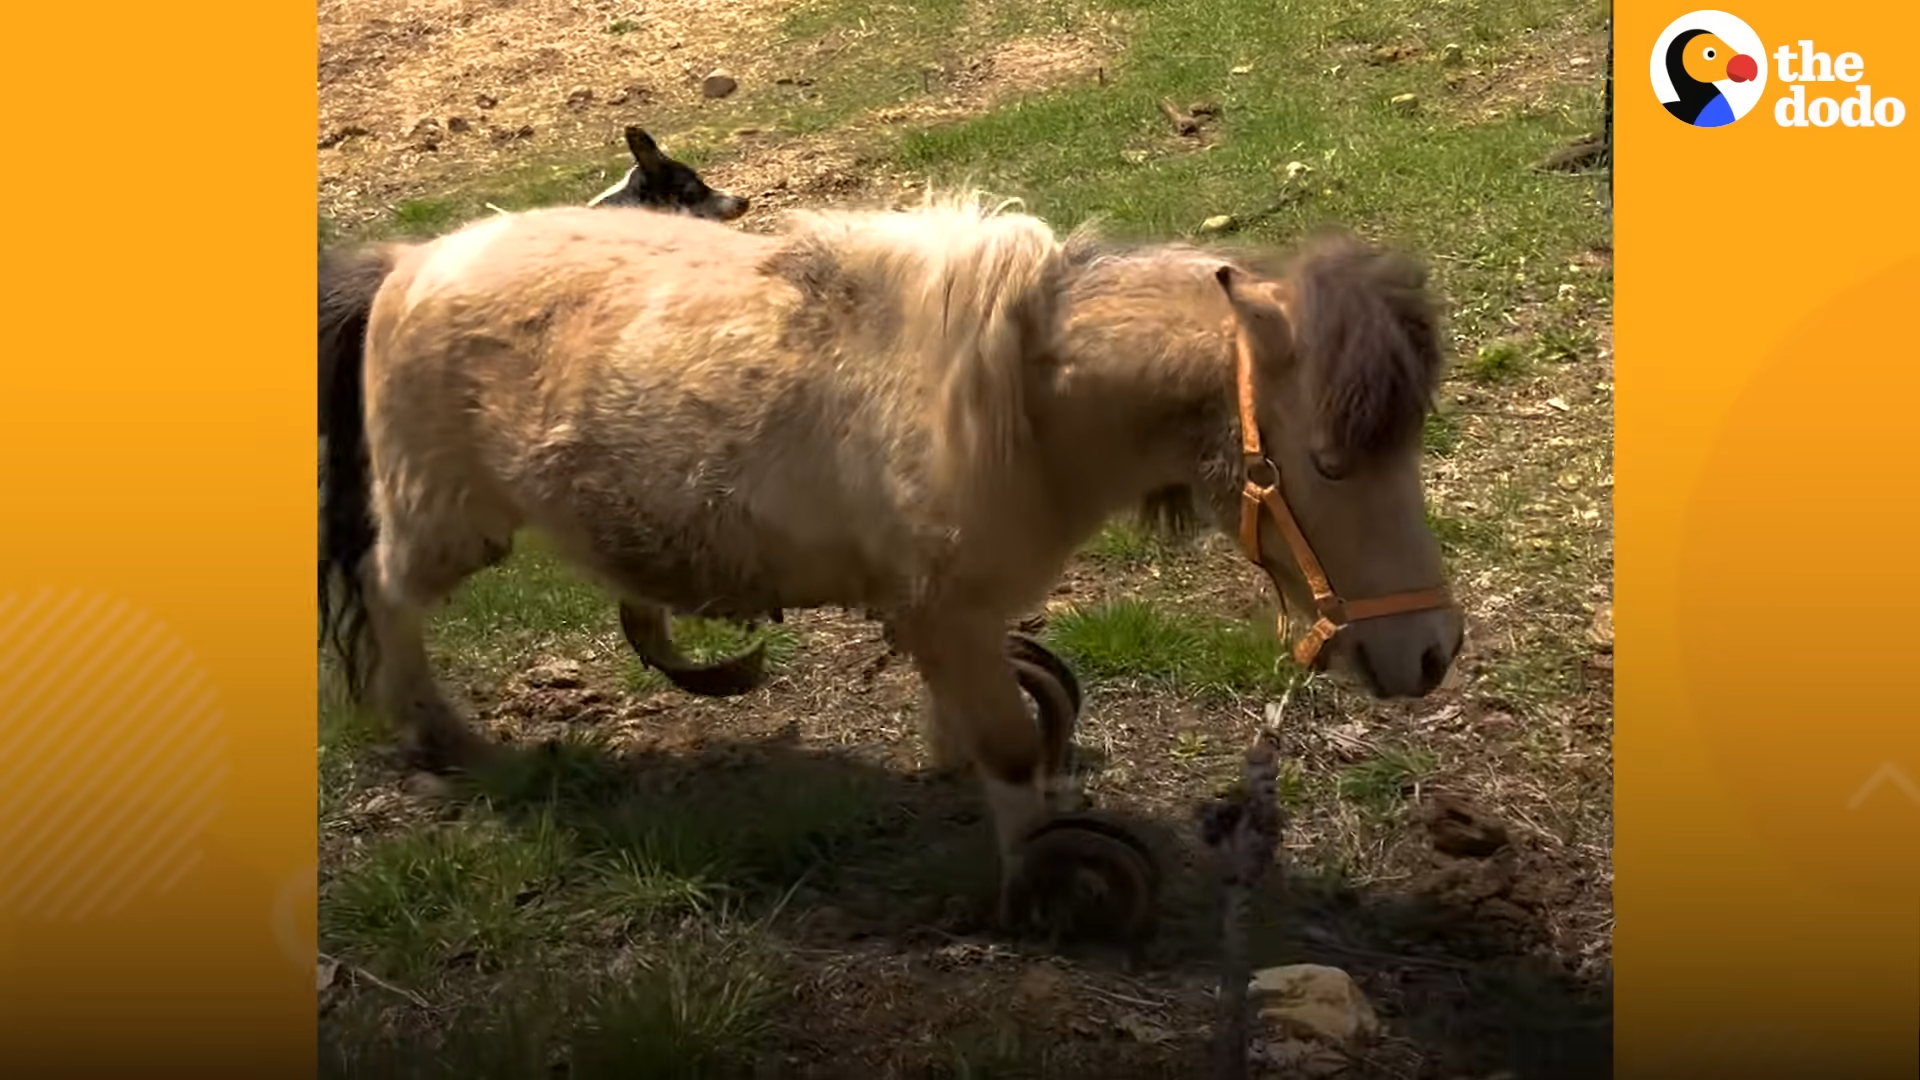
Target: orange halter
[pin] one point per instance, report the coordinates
(1262, 491)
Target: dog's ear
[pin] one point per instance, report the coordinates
(646, 153)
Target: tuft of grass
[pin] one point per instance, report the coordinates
(1463, 535)
(532, 597)
(1563, 345)
(470, 892)
(622, 26)
(1381, 782)
(747, 830)
(1137, 639)
(1498, 362)
(1440, 433)
(700, 1004)
(426, 217)
(1122, 544)
(697, 1010)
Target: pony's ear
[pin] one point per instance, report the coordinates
(646, 153)
(1259, 313)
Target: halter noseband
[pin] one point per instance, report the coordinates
(1262, 490)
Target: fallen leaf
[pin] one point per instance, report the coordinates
(1557, 403)
(1241, 69)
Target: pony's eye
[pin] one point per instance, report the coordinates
(1330, 466)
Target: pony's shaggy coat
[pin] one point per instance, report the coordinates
(920, 414)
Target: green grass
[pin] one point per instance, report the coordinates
(1440, 434)
(1209, 655)
(1499, 362)
(699, 1005)
(1460, 535)
(1124, 544)
(1444, 184)
(1386, 779)
(470, 892)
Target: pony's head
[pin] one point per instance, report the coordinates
(1338, 360)
(657, 182)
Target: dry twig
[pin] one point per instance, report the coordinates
(1242, 831)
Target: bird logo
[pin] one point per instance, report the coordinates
(1703, 78)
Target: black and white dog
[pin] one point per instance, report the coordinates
(658, 182)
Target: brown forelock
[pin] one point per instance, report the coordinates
(1367, 332)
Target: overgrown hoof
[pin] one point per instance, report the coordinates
(647, 635)
(1083, 877)
(1025, 648)
(1056, 710)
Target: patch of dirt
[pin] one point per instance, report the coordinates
(1524, 78)
(418, 93)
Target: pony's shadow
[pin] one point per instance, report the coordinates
(847, 848)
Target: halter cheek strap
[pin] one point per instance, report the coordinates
(1260, 492)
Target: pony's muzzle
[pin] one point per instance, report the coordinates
(1402, 656)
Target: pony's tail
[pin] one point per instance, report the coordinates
(996, 309)
(349, 280)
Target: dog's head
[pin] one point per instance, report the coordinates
(658, 182)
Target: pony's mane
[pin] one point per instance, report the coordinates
(1363, 325)
(971, 284)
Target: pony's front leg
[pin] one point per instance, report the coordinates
(979, 715)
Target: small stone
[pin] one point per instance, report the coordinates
(486, 101)
(426, 133)
(1452, 54)
(1315, 1002)
(1297, 169)
(718, 85)
(1405, 102)
(579, 97)
(1217, 223)
(458, 124)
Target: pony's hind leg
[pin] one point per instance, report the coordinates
(420, 559)
(434, 736)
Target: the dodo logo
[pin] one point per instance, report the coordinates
(1709, 68)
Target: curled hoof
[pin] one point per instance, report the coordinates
(1083, 876)
(1025, 648)
(1055, 712)
(649, 634)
